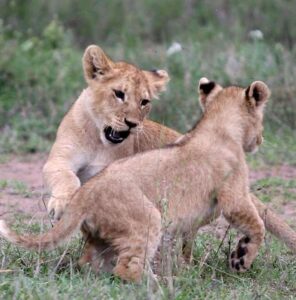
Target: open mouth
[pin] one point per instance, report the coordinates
(114, 136)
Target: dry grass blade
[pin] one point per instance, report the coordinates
(6, 271)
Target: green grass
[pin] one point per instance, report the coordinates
(54, 275)
(15, 187)
(42, 76)
(279, 147)
(155, 21)
(274, 189)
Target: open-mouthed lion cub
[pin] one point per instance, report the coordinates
(106, 123)
(187, 185)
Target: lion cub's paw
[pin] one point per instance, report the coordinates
(242, 258)
(131, 270)
(55, 208)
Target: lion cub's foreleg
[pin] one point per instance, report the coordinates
(62, 182)
(242, 214)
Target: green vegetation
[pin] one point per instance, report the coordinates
(27, 275)
(15, 187)
(274, 189)
(129, 22)
(37, 76)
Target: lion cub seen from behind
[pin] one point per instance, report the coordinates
(199, 177)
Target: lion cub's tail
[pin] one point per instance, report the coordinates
(276, 225)
(49, 240)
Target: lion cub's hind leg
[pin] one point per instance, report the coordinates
(139, 246)
(244, 216)
(99, 254)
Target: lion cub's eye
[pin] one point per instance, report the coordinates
(144, 102)
(119, 94)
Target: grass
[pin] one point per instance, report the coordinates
(42, 76)
(28, 275)
(278, 148)
(156, 21)
(15, 187)
(55, 275)
(275, 189)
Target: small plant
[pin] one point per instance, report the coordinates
(15, 187)
(275, 188)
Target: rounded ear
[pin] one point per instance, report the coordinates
(206, 90)
(95, 63)
(257, 93)
(158, 80)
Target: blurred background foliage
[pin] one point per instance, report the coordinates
(41, 44)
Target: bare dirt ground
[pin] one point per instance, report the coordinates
(28, 197)
(29, 200)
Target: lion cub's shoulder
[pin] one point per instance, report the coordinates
(153, 136)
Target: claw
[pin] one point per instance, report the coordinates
(52, 213)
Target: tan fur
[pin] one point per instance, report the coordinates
(276, 225)
(180, 188)
(81, 149)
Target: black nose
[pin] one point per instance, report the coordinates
(130, 124)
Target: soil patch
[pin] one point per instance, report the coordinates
(30, 200)
(22, 187)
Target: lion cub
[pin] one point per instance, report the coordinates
(107, 122)
(186, 185)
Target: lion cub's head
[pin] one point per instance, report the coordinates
(242, 109)
(122, 94)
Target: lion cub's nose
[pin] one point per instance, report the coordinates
(130, 124)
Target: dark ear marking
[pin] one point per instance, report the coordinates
(247, 92)
(258, 91)
(207, 87)
(96, 71)
(95, 62)
(256, 94)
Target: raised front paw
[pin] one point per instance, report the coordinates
(56, 207)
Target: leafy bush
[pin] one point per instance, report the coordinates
(128, 22)
(41, 76)
(39, 79)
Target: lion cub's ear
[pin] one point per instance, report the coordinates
(158, 80)
(95, 63)
(207, 90)
(257, 94)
